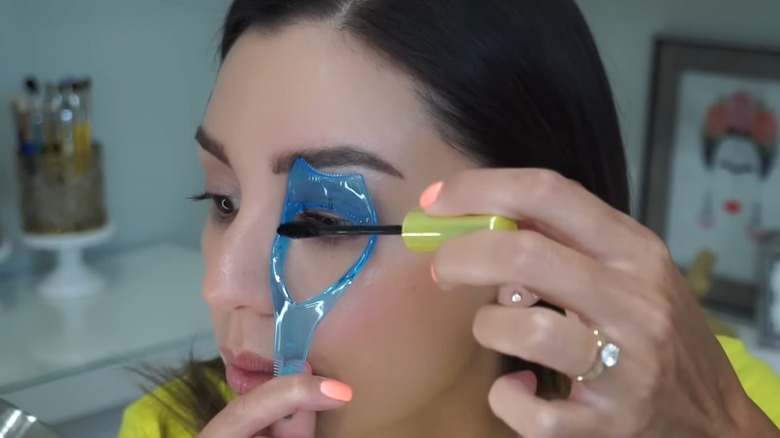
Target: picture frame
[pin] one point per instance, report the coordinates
(768, 304)
(712, 126)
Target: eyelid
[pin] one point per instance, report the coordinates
(221, 181)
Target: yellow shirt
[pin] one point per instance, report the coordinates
(147, 416)
(150, 416)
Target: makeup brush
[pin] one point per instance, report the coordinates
(420, 232)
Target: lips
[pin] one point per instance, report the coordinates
(246, 371)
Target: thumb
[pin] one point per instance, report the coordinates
(269, 403)
(302, 424)
(527, 378)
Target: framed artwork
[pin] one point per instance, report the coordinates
(711, 178)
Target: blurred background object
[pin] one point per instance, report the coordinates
(699, 280)
(15, 423)
(61, 183)
(5, 248)
(768, 311)
(152, 65)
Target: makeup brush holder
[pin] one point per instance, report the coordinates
(62, 194)
(63, 211)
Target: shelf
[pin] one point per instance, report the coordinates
(152, 305)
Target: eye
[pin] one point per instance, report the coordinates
(223, 204)
(326, 218)
(223, 209)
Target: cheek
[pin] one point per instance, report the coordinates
(221, 325)
(209, 247)
(209, 239)
(390, 297)
(313, 265)
(396, 338)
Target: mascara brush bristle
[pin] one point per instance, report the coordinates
(297, 230)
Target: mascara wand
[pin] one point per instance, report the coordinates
(420, 232)
(305, 230)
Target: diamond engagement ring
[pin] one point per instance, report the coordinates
(607, 355)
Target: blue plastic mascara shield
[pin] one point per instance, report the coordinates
(309, 277)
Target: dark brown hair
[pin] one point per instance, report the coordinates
(510, 83)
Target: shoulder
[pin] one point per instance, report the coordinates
(155, 415)
(160, 413)
(760, 382)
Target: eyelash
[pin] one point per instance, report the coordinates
(323, 217)
(328, 218)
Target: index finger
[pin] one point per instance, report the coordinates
(554, 206)
(251, 413)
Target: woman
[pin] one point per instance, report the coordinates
(434, 97)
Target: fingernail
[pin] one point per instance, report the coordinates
(433, 275)
(336, 390)
(308, 368)
(430, 195)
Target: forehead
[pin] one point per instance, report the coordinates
(306, 86)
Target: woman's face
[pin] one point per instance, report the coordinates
(403, 345)
(736, 178)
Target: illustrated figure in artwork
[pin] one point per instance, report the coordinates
(739, 148)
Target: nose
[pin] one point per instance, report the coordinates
(237, 259)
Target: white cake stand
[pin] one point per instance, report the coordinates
(72, 342)
(5, 250)
(71, 277)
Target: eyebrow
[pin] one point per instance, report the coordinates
(213, 147)
(324, 157)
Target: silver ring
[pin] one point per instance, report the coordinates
(607, 355)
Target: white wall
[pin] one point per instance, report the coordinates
(625, 30)
(153, 63)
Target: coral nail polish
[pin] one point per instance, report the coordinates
(430, 195)
(336, 390)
